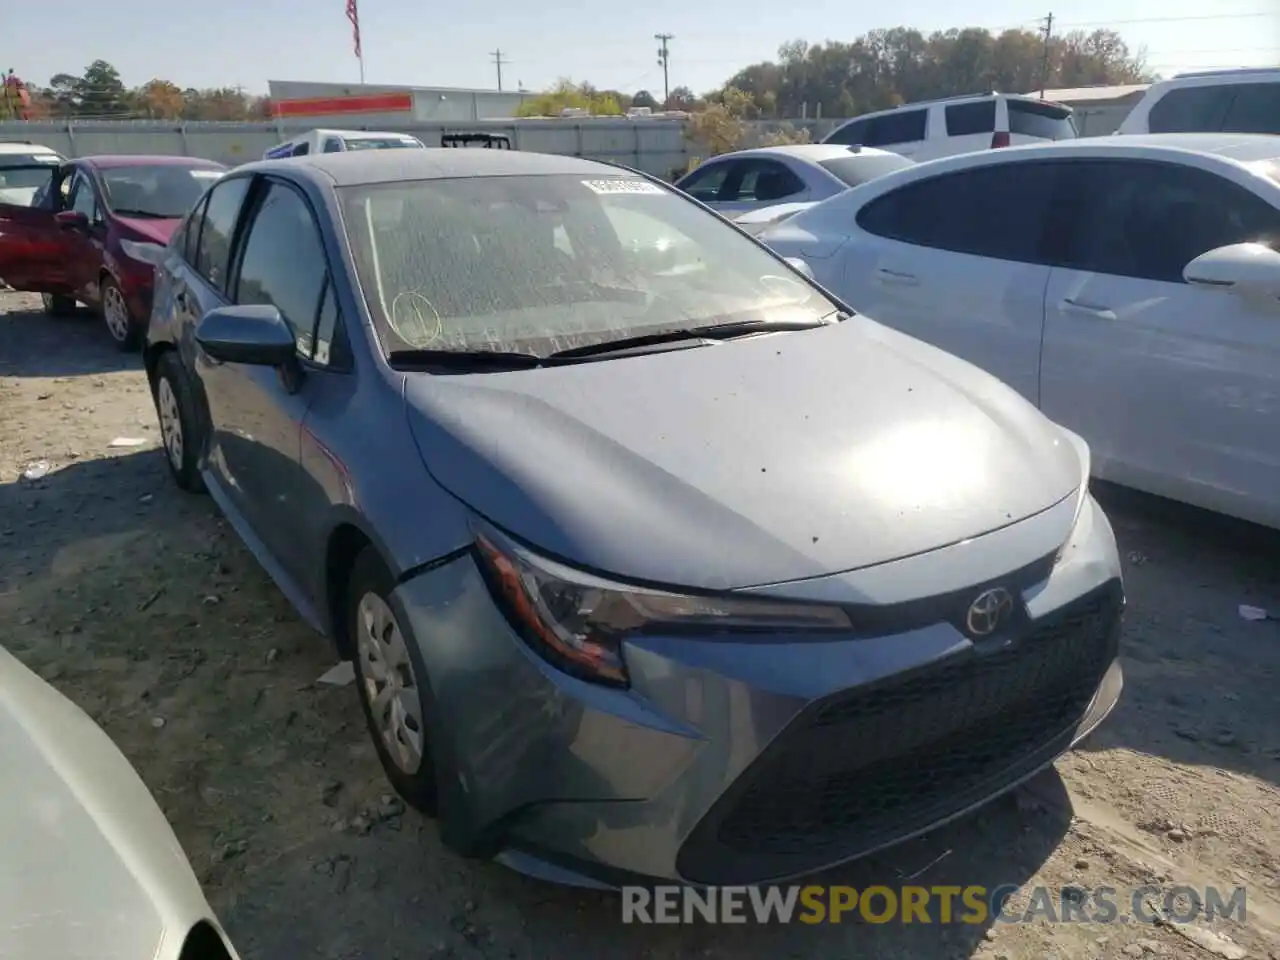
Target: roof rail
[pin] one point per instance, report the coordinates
(1230, 72)
(25, 143)
(957, 96)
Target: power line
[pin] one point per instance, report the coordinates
(664, 57)
(498, 61)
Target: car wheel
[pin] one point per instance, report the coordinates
(56, 305)
(389, 676)
(115, 311)
(178, 428)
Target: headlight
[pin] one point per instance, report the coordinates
(1082, 494)
(142, 251)
(578, 622)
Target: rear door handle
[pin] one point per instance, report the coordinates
(898, 277)
(1088, 309)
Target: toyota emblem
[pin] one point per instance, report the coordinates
(989, 611)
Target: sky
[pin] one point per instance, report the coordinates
(245, 43)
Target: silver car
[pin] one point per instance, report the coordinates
(652, 559)
(89, 867)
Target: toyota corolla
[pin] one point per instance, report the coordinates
(654, 560)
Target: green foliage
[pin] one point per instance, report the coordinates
(885, 68)
(567, 95)
(99, 93)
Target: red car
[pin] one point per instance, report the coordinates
(92, 233)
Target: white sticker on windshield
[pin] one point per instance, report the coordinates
(621, 186)
(208, 174)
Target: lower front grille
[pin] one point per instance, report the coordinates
(872, 765)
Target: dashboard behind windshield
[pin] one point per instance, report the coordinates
(158, 191)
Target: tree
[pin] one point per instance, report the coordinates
(644, 98)
(682, 98)
(567, 95)
(161, 100)
(101, 93)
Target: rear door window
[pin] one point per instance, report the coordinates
(301, 150)
(1254, 109)
(999, 210)
(1190, 110)
(854, 132)
(964, 119)
(333, 145)
(222, 211)
(901, 126)
(1031, 118)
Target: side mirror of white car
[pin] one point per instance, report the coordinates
(1250, 269)
(800, 265)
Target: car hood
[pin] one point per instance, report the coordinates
(773, 458)
(90, 867)
(157, 231)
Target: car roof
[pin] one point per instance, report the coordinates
(109, 160)
(21, 146)
(813, 152)
(432, 163)
(1241, 147)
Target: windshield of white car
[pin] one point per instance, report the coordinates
(157, 191)
(855, 170)
(540, 264)
(25, 175)
(379, 143)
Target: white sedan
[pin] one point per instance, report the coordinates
(747, 180)
(1129, 286)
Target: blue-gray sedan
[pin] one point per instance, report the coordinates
(653, 560)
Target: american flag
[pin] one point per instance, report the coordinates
(353, 14)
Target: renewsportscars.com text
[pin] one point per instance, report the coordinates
(930, 905)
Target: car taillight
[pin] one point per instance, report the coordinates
(999, 140)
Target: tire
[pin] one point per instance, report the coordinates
(179, 429)
(411, 773)
(57, 305)
(124, 329)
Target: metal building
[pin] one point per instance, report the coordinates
(371, 105)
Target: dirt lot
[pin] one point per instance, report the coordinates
(137, 602)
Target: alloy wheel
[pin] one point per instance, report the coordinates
(170, 422)
(390, 687)
(116, 312)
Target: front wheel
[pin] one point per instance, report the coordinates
(178, 426)
(389, 677)
(115, 311)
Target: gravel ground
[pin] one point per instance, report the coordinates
(136, 601)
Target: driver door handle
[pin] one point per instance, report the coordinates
(1088, 309)
(896, 276)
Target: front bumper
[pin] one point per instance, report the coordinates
(743, 762)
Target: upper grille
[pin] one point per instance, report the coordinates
(882, 762)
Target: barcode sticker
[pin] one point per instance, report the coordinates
(621, 186)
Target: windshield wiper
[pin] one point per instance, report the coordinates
(144, 214)
(466, 359)
(711, 331)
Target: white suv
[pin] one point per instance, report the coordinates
(944, 128)
(1220, 101)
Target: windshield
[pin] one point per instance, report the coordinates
(159, 191)
(380, 143)
(855, 170)
(536, 264)
(24, 176)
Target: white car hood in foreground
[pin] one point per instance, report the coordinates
(89, 867)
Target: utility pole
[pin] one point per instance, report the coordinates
(664, 56)
(1044, 64)
(498, 61)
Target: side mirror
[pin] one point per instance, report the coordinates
(71, 220)
(254, 334)
(799, 266)
(1243, 268)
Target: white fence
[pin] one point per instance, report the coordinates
(657, 146)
